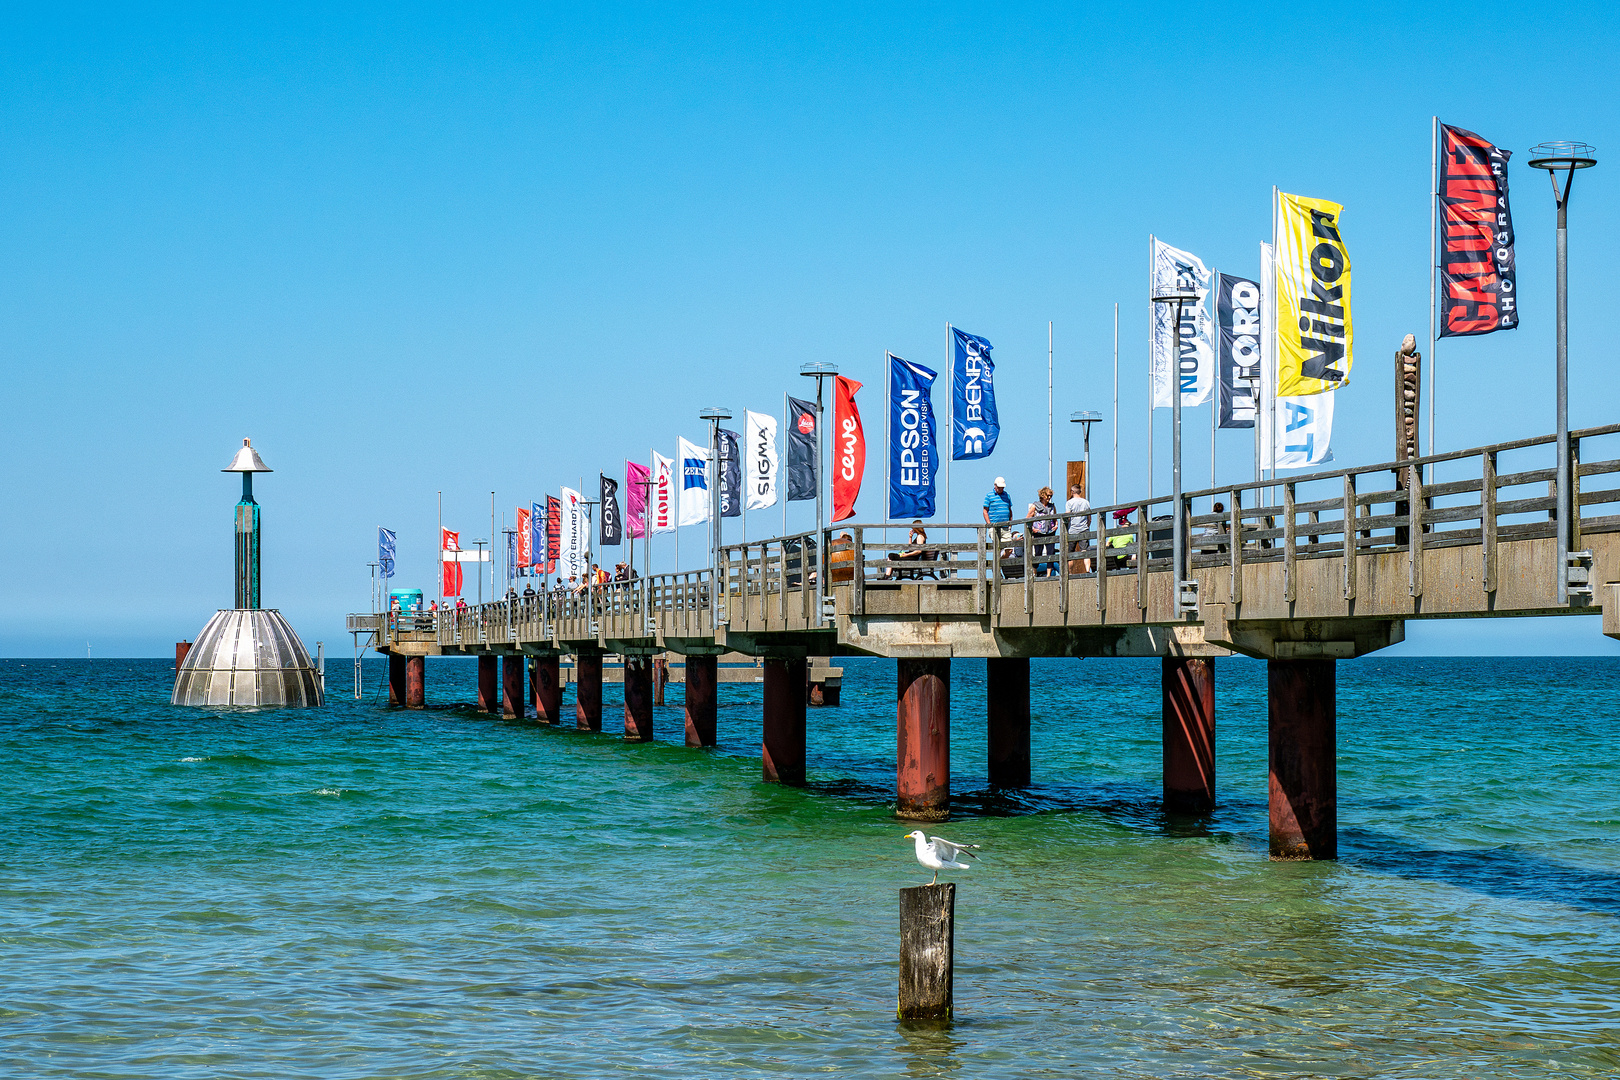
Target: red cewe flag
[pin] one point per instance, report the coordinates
(849, 448)
(450, 541)
(525, 538)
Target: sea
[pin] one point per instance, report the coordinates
(361, 891)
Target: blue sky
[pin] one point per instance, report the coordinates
(500, 249)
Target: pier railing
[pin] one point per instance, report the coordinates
(1482, 498)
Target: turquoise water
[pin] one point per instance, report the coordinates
(361, 892)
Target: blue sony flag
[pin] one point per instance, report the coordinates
(913, 453)
(385, 552)
(974, 426)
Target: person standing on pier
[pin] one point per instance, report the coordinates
(1079, 506)
(1044, 531)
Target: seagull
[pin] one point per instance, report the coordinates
(939, 854)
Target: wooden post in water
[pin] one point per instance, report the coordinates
(927, 944)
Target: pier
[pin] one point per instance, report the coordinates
(1302, 572)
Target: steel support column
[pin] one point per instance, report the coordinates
(782, 750)
(547, 686)
(486, 682)
(1006, 688)
(702, 703)
(638, 698)
(1304, 783)
(923, 740)
(415, 682)
(512, 686)
(396, 679)
(1188, 689)
(588, 691)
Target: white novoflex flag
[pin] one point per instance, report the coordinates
(1174, 267)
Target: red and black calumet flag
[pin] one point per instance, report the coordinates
(1478, 293)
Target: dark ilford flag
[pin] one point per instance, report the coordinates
(730, 474)
(1478, 286)
(804, 471)
(974, 425)
(1237, 316)
(611, 532)
(913, 455)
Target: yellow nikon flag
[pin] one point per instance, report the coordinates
(1313, 297)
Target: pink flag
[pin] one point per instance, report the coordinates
(636, 481)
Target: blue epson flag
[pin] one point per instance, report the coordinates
(913, 454)
(974, 423)
(385, 553)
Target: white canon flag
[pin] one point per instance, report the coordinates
(573, 560)
(1172, 267)
(1295, 432)
(760, 454)
(661, 500)
(692, 474)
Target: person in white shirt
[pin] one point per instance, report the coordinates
(1078, 524)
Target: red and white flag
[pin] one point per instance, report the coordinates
(452, 579)
(451, 541)
(849, 448)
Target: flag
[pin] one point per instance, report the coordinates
(385, 552)
(611, 531)
(523, 555)
(452, 579)
(450, 541)
(1237, 318)
(663, 494)
(1195, 368)
(803, 466)
(912, 452)
(1312, 297)
(730, 475)
(575, 558)
(974, 425)
(553, 533)
(1478, 291)
(761, 431)
(849, 448)
(636, 479)
(694, 482)
(1295, 432)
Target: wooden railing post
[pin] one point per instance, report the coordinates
(1349, 536)
(1414, 545)
(981, 585)
(1235, 534)
(1062, 537)
(1288, 542)
(1102, 566)
(1142, 555)
(1575, 543)
(1029, 575)
(1487, 518)
(859, 582)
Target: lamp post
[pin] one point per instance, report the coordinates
(479, 544)
(1186, 596)
(1085, 420)
(714, 414)
(1565, 157)
(819, 372)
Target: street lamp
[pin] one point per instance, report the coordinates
(1085, 420)
(479, 544)
(714, 414)
(1186, 591)
(818, 371)
(1564, 157)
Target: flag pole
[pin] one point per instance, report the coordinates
(1215, 389)
(1114, 496)
(440, 547)
(1276, 343)
(1434, 204)
(1048, 402)
(888, 394)
(781, 489)
(950, 450)
(1152, 359)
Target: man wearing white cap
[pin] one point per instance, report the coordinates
(997, 512)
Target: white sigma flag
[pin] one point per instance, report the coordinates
(661, 500)
(573, 560)
(1172, 267)
(692, 474)
(1295, 432)
(760, 430)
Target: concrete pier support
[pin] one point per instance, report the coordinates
(783, 745)
(923, 740)
(638, 698)
(512, 686)
(1188, 689)
(396, 679)
(416, 682)
(588, 691)
(702, 699)
(547, 684)
(1304, 780)
(1006, 686)
(486, 682)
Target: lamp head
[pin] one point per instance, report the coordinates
(247, 460)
